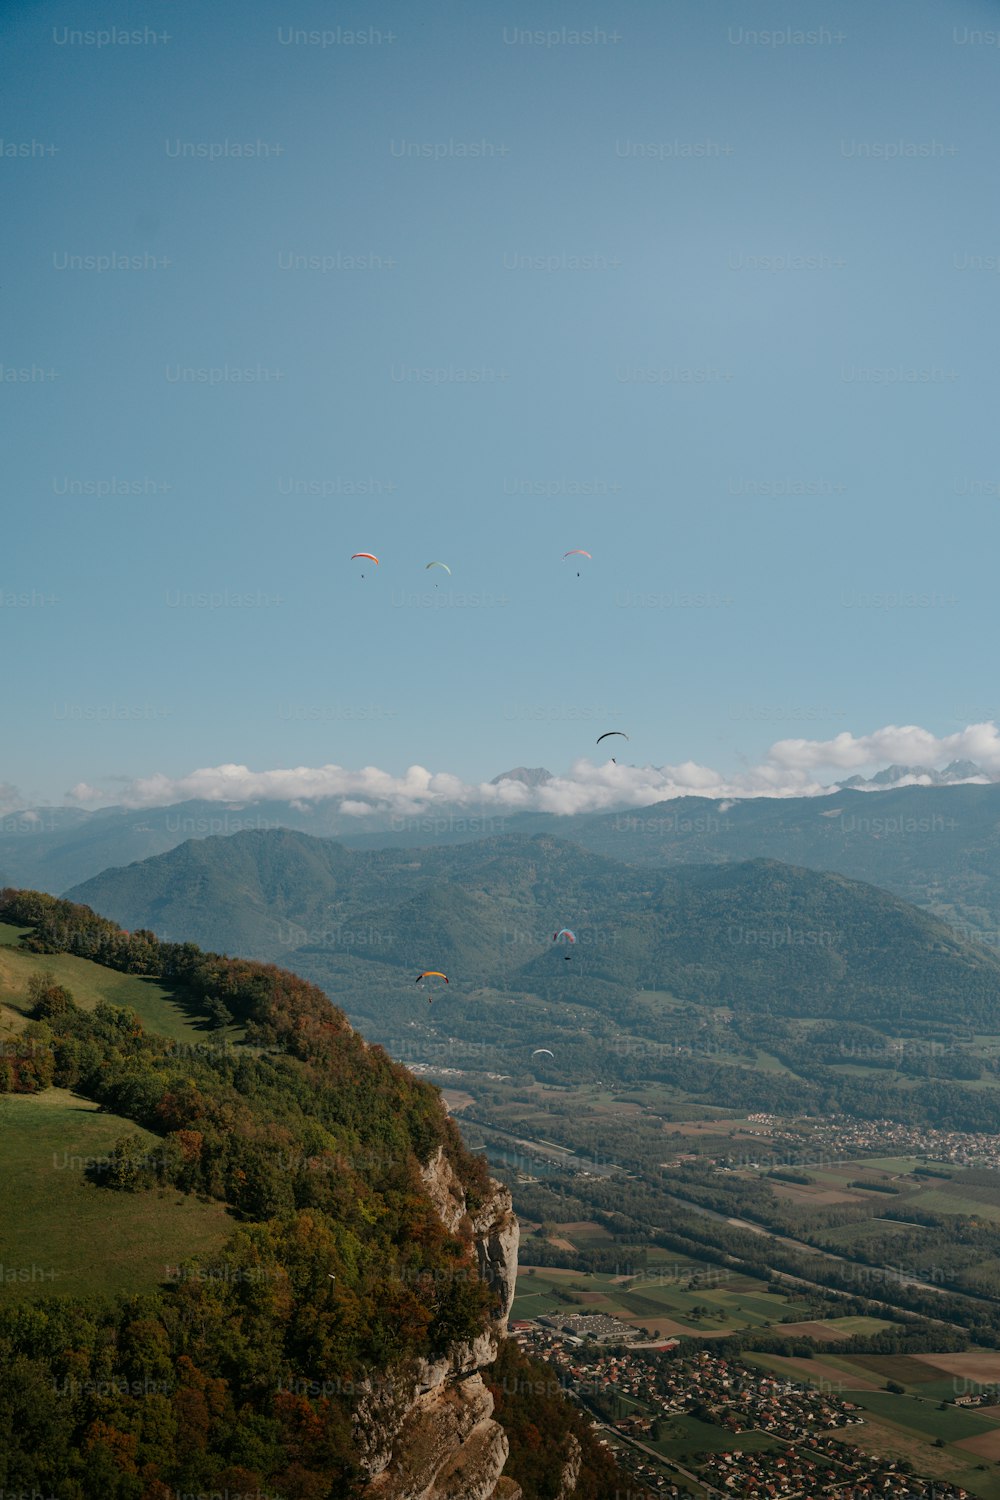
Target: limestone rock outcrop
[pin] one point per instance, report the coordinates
(426, 1431)
(494, 1228)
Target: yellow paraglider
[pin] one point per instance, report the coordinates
(431, 974)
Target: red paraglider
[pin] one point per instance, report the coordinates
(564, 932)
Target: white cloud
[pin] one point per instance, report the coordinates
(791, 768)
(11, 799)
(908, 744)
(83, 792)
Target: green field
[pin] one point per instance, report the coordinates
(847, 1236)
(764, 1062)
(652, 1300)
(69, 1235)
(905, 1426)
(657, 1000)
(893, 1163)
(856, 1325)
(924, 1383)
(956, 1200)
(922, 1415)
(89, 983)
(11, 935)
(686, 1436)
(899, 1367)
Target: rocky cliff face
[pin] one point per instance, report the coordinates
(571, 1468)
(427, 1432)
(494, 1228)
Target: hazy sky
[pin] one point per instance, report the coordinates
(705, 287)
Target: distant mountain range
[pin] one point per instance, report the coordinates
(758, 935)
(537, 777)
(958, 771)
(936, 846)
(954, 774)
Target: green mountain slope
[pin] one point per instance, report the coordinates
(247, 891)
(938, 847)
(755, 985)
(161, 1008)
(757, 935)
(221, 1238)
(63, 1232)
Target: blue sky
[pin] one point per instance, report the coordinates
(713, 254)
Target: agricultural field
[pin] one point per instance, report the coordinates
(974, 1365)
(847, 1237)
(584, 1232)
(456, 1100)
(958, 1198)
(685, 1437)
(909, 1425)
(894, 1165)
(822, 1370)
(953, 1190)
(922, 1415)
(896, 1426)
(920, 1373)
(84, 1239)
(660, 1298)
(832, 1330)
(710, 1125)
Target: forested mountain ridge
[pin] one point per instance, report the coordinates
(758, 934)
(936, 846)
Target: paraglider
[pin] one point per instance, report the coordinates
(564, 932)
(539, 1050)
(431, 974)
(439, 565)
(370, 555)
(576, 552)
(608, 735)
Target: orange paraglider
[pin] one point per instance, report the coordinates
(431, 974)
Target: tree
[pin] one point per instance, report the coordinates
(49, 999)
(129, 1166)
(258, 1186)
(218, 1012)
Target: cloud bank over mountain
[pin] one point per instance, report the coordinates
(790, 768)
